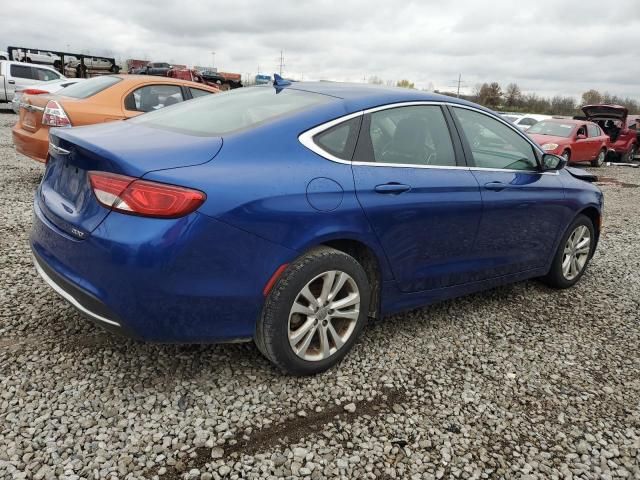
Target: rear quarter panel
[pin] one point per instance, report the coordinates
(259, 182)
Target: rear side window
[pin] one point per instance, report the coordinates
(45, 75)
(594, 131)
(232, 111)
(340, 140)
(22, 71)
(197, 92)
(90, 87)
(153, 97)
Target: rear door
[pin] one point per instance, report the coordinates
(522, 206)
(420, 198)
(594, 140)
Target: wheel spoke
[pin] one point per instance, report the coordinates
(300, 332)
(324, 343)
(337, 340)
(575, 269)
(566, 264)
(584, 242)
(347, 301)
(301, 309)
(350, 315)
(327, 282)
(306, 293)
(338, 284)
(302, 349)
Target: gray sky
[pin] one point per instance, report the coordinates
(546, 46)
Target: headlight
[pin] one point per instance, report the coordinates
(549, 146)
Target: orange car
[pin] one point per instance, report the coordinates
(99, 99)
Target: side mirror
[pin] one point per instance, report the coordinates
(552, 162)
(580, 136)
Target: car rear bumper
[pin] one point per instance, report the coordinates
(34, 145)
(187, 280)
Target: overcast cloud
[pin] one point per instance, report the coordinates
(546, 46)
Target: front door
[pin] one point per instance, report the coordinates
(523, 206)
(421, 200)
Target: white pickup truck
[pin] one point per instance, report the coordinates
(16, 75)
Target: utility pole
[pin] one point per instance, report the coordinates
(281, 61)
(458, 84)
(213, 65)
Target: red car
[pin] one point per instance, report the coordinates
(575, 140)
(613, 120)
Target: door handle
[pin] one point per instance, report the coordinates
(392, 188)
(495, 186)
(12, 82)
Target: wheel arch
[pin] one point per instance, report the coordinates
(595, 216)
(370, 262)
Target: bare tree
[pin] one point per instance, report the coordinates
(405, 84)
(513, 96)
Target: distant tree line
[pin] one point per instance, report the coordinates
(512, 99)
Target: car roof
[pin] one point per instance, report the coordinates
(131, 80)
(358, 96)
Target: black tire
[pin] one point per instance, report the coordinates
(556, 278)
(567, 155)
(600, 158)
(272, 330)
(114, 69)
(631, 154)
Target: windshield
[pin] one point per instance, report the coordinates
(223, 113)
(554, 129)
(90, 87)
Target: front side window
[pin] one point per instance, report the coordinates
(153, 97)
(416, 135)
(340, 140)
(21, 71)
(493, 144)
(594, 131)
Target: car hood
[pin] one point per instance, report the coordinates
(542, 139)
(608, 112)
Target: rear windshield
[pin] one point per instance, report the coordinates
(553, 129)
(223, 113)
(88, 88)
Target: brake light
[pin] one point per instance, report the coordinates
(142, 197)
(33, 91)
(55, 116)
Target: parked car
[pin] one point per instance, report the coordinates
(91, 64)
(613, 121)
(17, 76)
(155, 68)
(523, 122)
(191, 75)
(41, 88)
(575, 140)
(35, 56)
(290, 214)
(634, 124)
(96, 100)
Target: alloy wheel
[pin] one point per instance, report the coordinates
(601, 156)
(324, 315)
(576, 252)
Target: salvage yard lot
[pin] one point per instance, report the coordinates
(520, 381)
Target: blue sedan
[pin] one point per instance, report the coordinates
(290, 214)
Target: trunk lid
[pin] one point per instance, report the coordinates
(605, 112)
(65, 195)
(31, 110)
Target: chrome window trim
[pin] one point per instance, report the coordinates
(306, 138)
(70, 298)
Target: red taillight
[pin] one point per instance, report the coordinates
(33, 91)
(55, 116)
(142, 197)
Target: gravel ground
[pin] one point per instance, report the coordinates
(519, 382)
